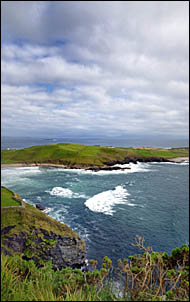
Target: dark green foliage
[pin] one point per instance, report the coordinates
(156, 276)
(151, 276)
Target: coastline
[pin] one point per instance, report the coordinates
(105, 167)
(179, 159)
(33, 165)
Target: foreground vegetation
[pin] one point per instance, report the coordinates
(75, 154)
(151, 276)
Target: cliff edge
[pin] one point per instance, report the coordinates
(31, 233)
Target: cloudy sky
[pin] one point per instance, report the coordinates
(95, 68)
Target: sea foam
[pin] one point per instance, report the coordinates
(65, 192)
(104, 202)
(130, 168)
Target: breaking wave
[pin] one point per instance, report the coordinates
(104, 202)
(64, 192)
(184, 163)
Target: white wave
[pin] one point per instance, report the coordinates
(130, 168)
(104, 202)
(83, 232)
(185, 163)
(11, 175)
(47, 210)
(56, 214)
(26, 170)
(29, 202)
(64, 192)
(139, 167)
(59, 191)
(20, 170)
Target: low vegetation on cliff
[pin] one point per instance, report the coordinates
(28, 231)
(151, 276)
(83, 155)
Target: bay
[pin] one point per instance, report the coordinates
(108, 209)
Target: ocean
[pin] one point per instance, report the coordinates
(109, 208)
(9, 142)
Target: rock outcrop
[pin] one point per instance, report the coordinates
(134, 160)
(34, 235)
(40, 207)
(109, 166)
(42, 246)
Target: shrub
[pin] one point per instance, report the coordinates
(151, 276)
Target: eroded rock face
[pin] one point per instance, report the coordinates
(134, 160)
(41, 245)
(40, 207)
(108, 168)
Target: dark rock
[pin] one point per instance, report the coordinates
(109, 168)
(7, 229)
(16, 243)
(5, 252)
(134, 160)
(40, 245)
(40, 207)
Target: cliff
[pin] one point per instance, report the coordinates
(27, 231)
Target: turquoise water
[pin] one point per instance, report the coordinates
(108, 209)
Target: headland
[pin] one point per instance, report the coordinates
(75, 156)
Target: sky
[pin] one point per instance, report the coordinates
(90, 69)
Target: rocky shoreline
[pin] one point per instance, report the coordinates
(109, 166)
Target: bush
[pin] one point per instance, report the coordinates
(151, 276)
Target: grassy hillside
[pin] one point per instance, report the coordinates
(74, 154)
(29, 217)
(7, 198)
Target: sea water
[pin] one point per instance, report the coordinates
(109, 208)
(8, 142)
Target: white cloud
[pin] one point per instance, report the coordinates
(116, 67)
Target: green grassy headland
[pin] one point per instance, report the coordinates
(28, 217)
(28, 232)
(75, 154)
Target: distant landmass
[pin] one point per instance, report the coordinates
(89, 157)
(159, 142)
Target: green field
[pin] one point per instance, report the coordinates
(74, 154)
(7, 198)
